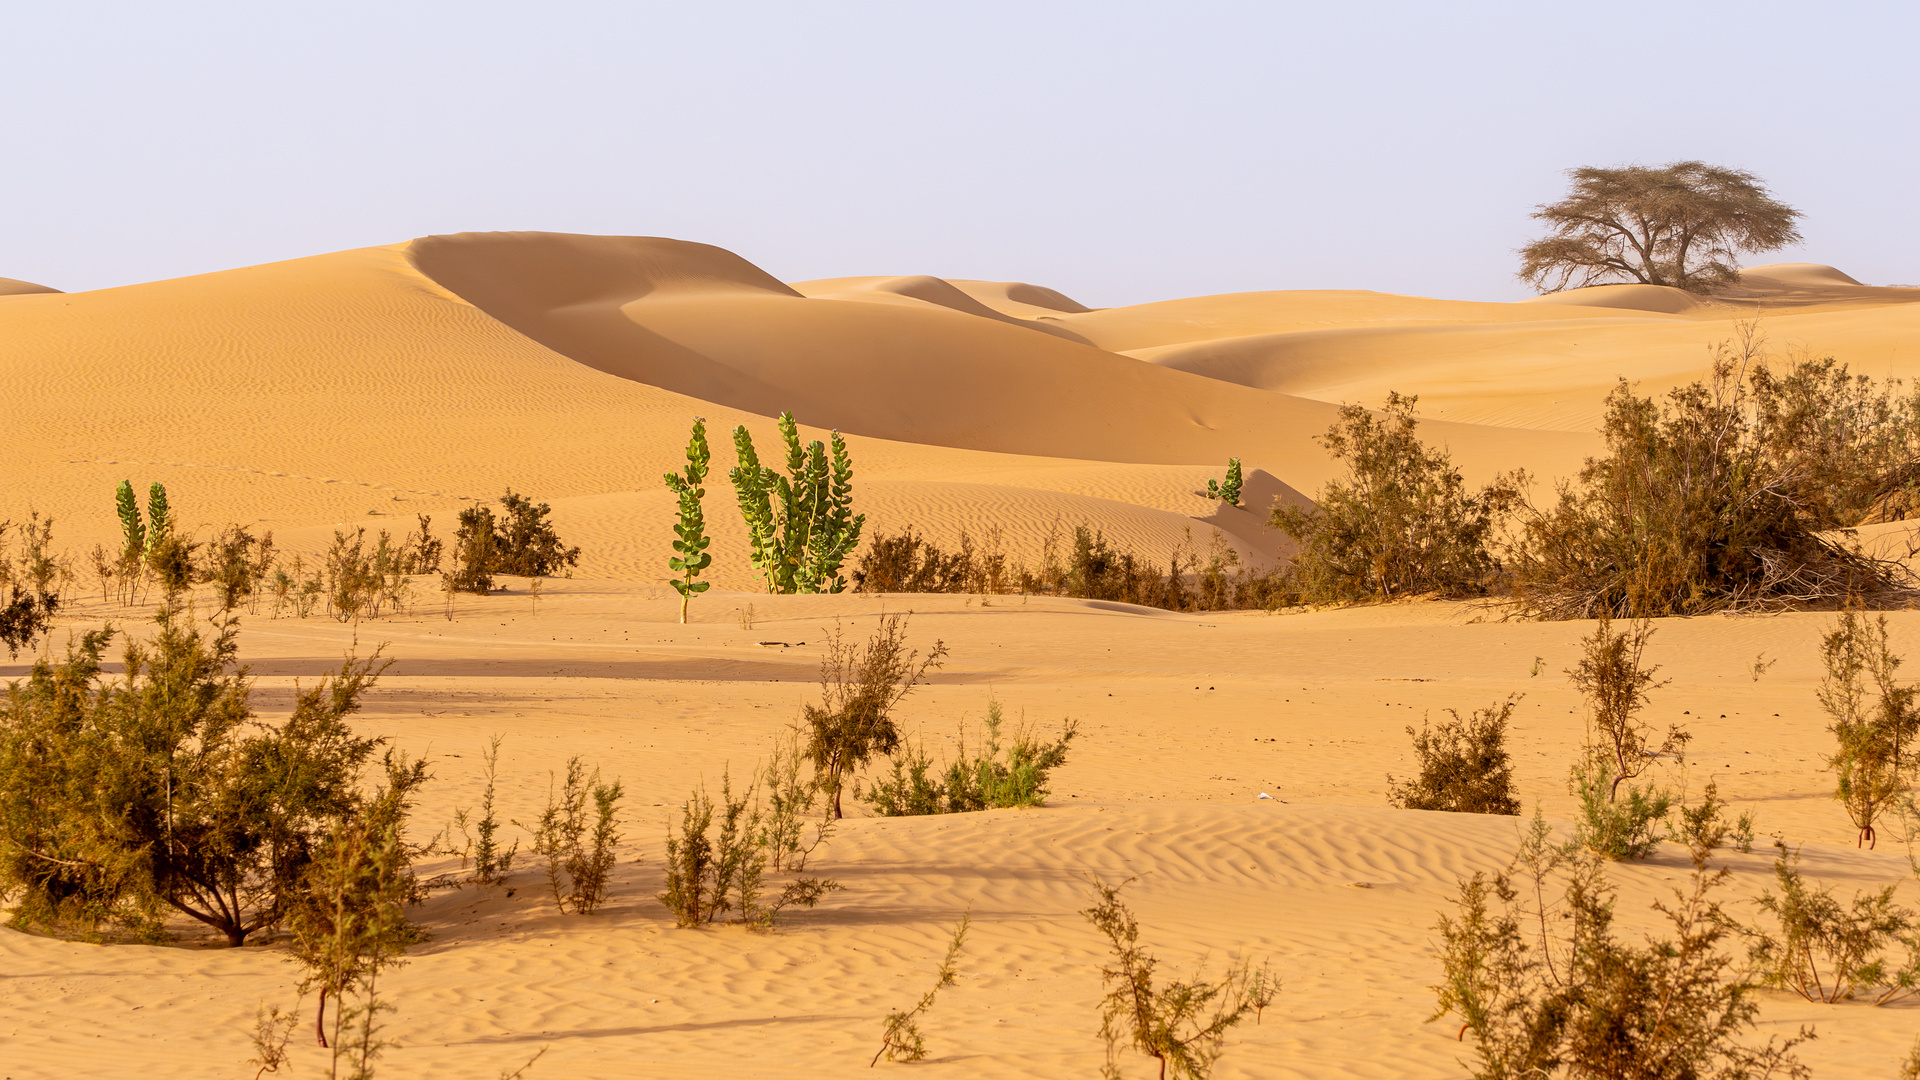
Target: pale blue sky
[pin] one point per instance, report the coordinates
(1118, 151)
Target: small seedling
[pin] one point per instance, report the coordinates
(901, 1040)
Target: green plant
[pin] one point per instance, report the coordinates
(1400, 522)
(1704, 825)
(858, 691)
(900, 1039)
(801, 527)
(791, 806)
(996, 777)
(123, 797)
(577, 869)
(272, 1028)
(490, 864)
(1228, 490)
(159, 518)
(1612, 827)
(1827, 952)
(133, 538)
(1910, 1069)
(525, 544)
(1182, 1024)
(691, 531)
(1535, 974)
(1874, 763)
(475, 554)
(1464, 766)
(31, 595)
(711, 871)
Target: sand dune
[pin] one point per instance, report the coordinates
(10, 287)
(363, 387)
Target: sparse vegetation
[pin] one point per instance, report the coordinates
(1538, 979)
(801, 526)
(520, 541)
(691, 530)
(1828, 952)
(491, 864)
(1182, 1025)
(33, 581)
(1874, 762)
(900, 1039)
(996, 777)
(1400, 523)
(1464, 765)
(713, 869)
(1228, 490)
(1619, 745)
(859, 688)
(578, 861)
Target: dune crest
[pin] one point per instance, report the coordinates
(16, 287)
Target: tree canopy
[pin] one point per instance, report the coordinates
(1681, 225)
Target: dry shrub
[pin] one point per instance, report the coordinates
(858, 690)
(1401, 522)
(1619, 749)
(1464, 766)
(717, 864)
(33, 580)
(1182, 1025)
(1718, 497)
(520, 541)
(1544, 988)
(1874, 763)
(579, 856)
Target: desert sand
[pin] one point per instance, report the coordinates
(364, 387)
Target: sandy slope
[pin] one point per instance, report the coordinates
(363, 387)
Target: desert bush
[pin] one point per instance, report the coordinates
(801, 526)
(1716, 498)
(1401, 521)
(361, 582)
(237, 564)
(691, 546)
(1182, 1024)
(1538, 979)
(996, 777)
(33, 580)
(1874, 762)
(1464, 766)
(1704, 825)
(858, 691)
(792, 806)
(1910, 1069)
(1612, 676)
(578, 861)
(900, 1038)
(1610, 826)
(712, 870)
(1828, 952)
(520, 541)
(491, 864)
(122, 798)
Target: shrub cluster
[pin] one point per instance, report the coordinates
(996, 777)
(31, 581)
(519, 541)
(1464, 765)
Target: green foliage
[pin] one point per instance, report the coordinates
(1828, 952)
(123, 797)
(32, 582)
(578, 862)
(1705, 826)
(691, 545)
(519, 541)
(1540, 982)
(1615, 681)
(1228, 490)
(1182, 1024)
(491, 864)
(996, 777)
(1400, 523)
(1612, 827)
(1717, 497)
(712, 870)
(1874, 763)
(159, 518)
(133, 531)
(801, 526)
(900, 1039)
(858, 691)
(1464, 766)
(475, 553)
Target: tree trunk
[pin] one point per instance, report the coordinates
(320, 1019)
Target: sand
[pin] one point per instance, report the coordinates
(364, 387)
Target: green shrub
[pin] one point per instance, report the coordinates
(1401, 522)
(1874, 763)
(1182, 1025)
(578, 861)
(123, 797)
(1536, 976)
(1464, 766)
(1612, 676)
(33, 581)
(520, 541)
(1827, 952)
(1716, 498)
(713, 869)
(996, 777)
(801, 526)
(1228, 490)
(1612, 827)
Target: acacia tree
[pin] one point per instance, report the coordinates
(1680, 225)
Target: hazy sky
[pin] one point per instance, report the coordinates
(1118, 151)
